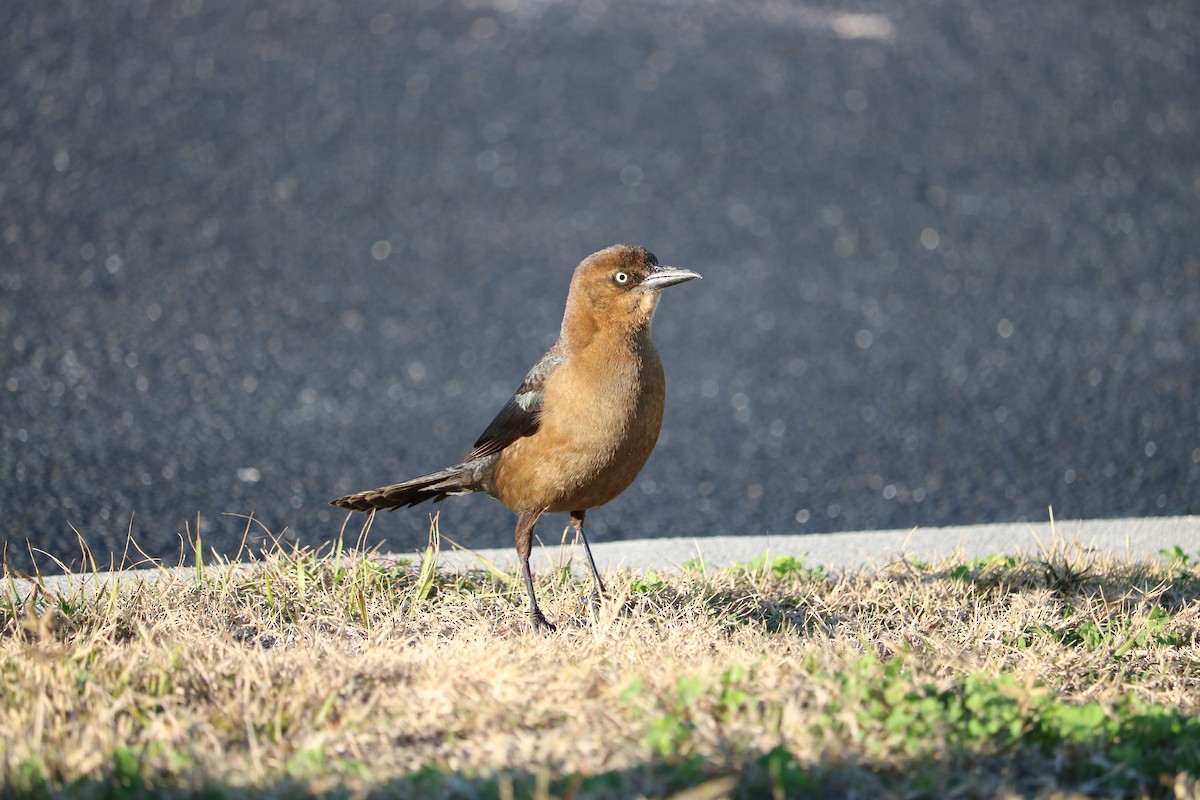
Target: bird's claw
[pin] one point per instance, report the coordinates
(596, 600)
(538, 620)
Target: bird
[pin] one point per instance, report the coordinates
(581, 425)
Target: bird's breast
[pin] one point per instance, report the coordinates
(599, 423)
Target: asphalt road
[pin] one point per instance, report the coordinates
(255, 255)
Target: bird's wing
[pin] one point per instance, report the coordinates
(520, 414)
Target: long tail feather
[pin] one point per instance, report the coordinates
(436, 486)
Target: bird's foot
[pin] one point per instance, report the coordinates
(538, 620)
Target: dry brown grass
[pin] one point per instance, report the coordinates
(342, 672)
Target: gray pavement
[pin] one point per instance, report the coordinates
(1143, 538)
(258, 254)
(1134, 538)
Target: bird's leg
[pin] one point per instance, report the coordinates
(535, 614)
(524, 539)
(597, 584)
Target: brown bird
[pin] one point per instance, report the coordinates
(582, 423)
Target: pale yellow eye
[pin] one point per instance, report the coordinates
(621, 278)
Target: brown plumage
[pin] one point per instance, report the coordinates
(583, 422)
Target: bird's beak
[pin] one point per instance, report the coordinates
(662, 277)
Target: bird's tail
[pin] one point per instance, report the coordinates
(436, 487)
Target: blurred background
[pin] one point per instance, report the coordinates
(255, 255)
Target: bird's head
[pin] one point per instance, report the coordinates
(618, 287)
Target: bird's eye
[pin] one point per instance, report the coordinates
(621, 278)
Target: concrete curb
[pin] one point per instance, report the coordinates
(1133, 538)
(1137, 538)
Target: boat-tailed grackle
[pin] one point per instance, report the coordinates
(583, 422)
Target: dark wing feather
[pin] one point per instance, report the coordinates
(520, 414)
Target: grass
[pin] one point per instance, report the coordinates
(341, 672)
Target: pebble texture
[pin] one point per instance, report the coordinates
(257, 255)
